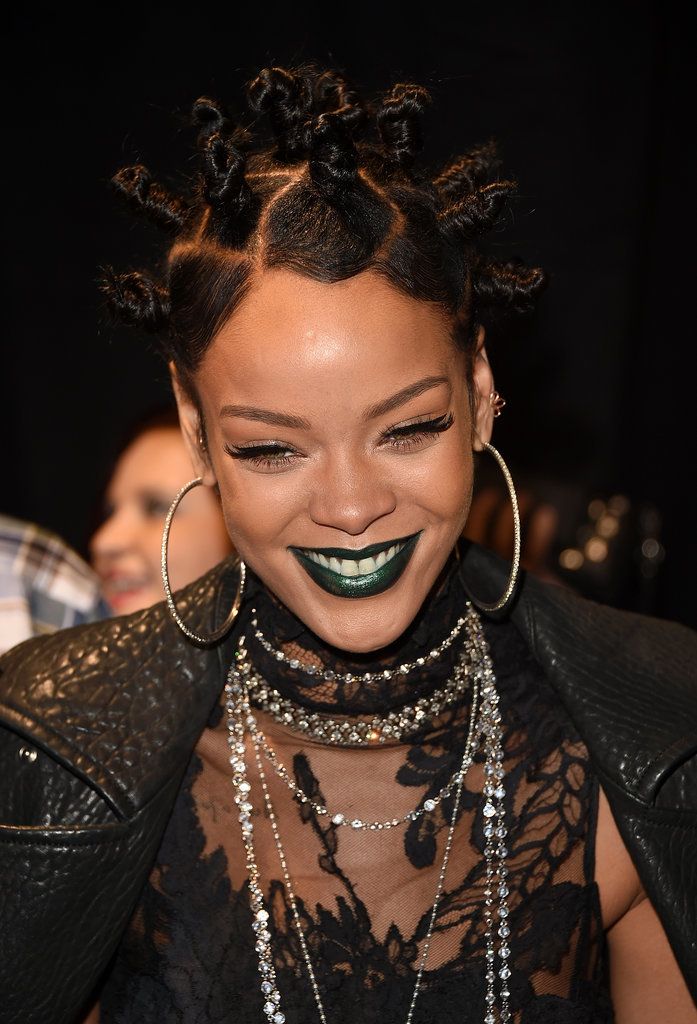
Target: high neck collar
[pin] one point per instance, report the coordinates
(438, 615)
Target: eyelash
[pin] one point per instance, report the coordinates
(406, 438)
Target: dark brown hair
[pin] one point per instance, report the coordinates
(334, 191)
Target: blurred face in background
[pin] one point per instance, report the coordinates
(125, 550)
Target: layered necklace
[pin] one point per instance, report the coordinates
(246, 690)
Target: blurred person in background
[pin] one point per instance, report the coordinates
(125, 549)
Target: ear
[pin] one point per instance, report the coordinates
(192, 430)
(483, 381)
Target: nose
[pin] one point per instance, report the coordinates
(349, 495)
(113, 536)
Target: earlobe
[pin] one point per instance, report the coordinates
(192, 430)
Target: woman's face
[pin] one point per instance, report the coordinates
(339, 432)
(125, 550)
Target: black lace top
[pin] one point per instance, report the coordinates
(365, 897)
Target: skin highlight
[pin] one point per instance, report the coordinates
(331, 355)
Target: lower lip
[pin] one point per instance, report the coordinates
(120, 598)
(359, 586)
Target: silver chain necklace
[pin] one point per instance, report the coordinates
(339, 818)
(351, 677)
(496, 911)
(351, 732)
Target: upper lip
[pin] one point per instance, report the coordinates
(357, 553)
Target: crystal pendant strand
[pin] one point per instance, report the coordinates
(487, 725)
(236, 731)
(466, 761)
(495, 851)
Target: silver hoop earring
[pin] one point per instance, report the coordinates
(219, 633)
(496, 606)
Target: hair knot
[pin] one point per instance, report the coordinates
(286, 99)
(467, 173)
(145, 196)
(399, 120)
(510, 285)
(477, 212)
(136, 299)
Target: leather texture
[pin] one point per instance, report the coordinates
(97, 724)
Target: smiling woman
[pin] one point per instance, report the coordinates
(125, 549)
(326, 781)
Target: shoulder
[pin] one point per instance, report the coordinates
(119, 701)
(628, 681)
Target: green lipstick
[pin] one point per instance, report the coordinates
(364, 573)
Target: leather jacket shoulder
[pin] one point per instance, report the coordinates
(97, 724)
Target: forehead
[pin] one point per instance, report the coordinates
(155, 456)
(292, 328)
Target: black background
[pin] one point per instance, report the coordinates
(590, 106)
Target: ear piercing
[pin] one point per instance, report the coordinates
(497, 402)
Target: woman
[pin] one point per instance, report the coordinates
(126, 548)
(361, 773)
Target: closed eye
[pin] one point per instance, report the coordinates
(411, 435)
(264, 456)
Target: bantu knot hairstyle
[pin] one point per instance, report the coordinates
(328, 185)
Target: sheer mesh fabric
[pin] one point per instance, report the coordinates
(365, 898)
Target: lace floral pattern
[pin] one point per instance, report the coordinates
(365, 899)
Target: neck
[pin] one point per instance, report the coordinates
(360, 683)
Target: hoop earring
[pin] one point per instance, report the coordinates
(219, 633)
(496, 606)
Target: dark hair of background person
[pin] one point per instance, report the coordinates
(338, 190)
(165, 416)
(587, 105)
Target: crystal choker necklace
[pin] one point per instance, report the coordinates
(341, 730)
(350, 677)
(485, 729)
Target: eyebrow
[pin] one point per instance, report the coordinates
(276, 419)
(285, 419)
(419, 387)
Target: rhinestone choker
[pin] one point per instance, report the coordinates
(351, 677)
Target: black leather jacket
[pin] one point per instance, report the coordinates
(97, 724)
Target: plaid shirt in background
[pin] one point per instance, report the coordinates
(44, 584)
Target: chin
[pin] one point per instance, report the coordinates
(364, 625)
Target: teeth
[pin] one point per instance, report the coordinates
(352, 566)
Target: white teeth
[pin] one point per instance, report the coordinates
(352, 566)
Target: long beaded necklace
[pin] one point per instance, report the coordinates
(496, 912)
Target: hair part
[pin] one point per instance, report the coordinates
(337, 191)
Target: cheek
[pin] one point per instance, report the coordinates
(257, 508)
(441, 482)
